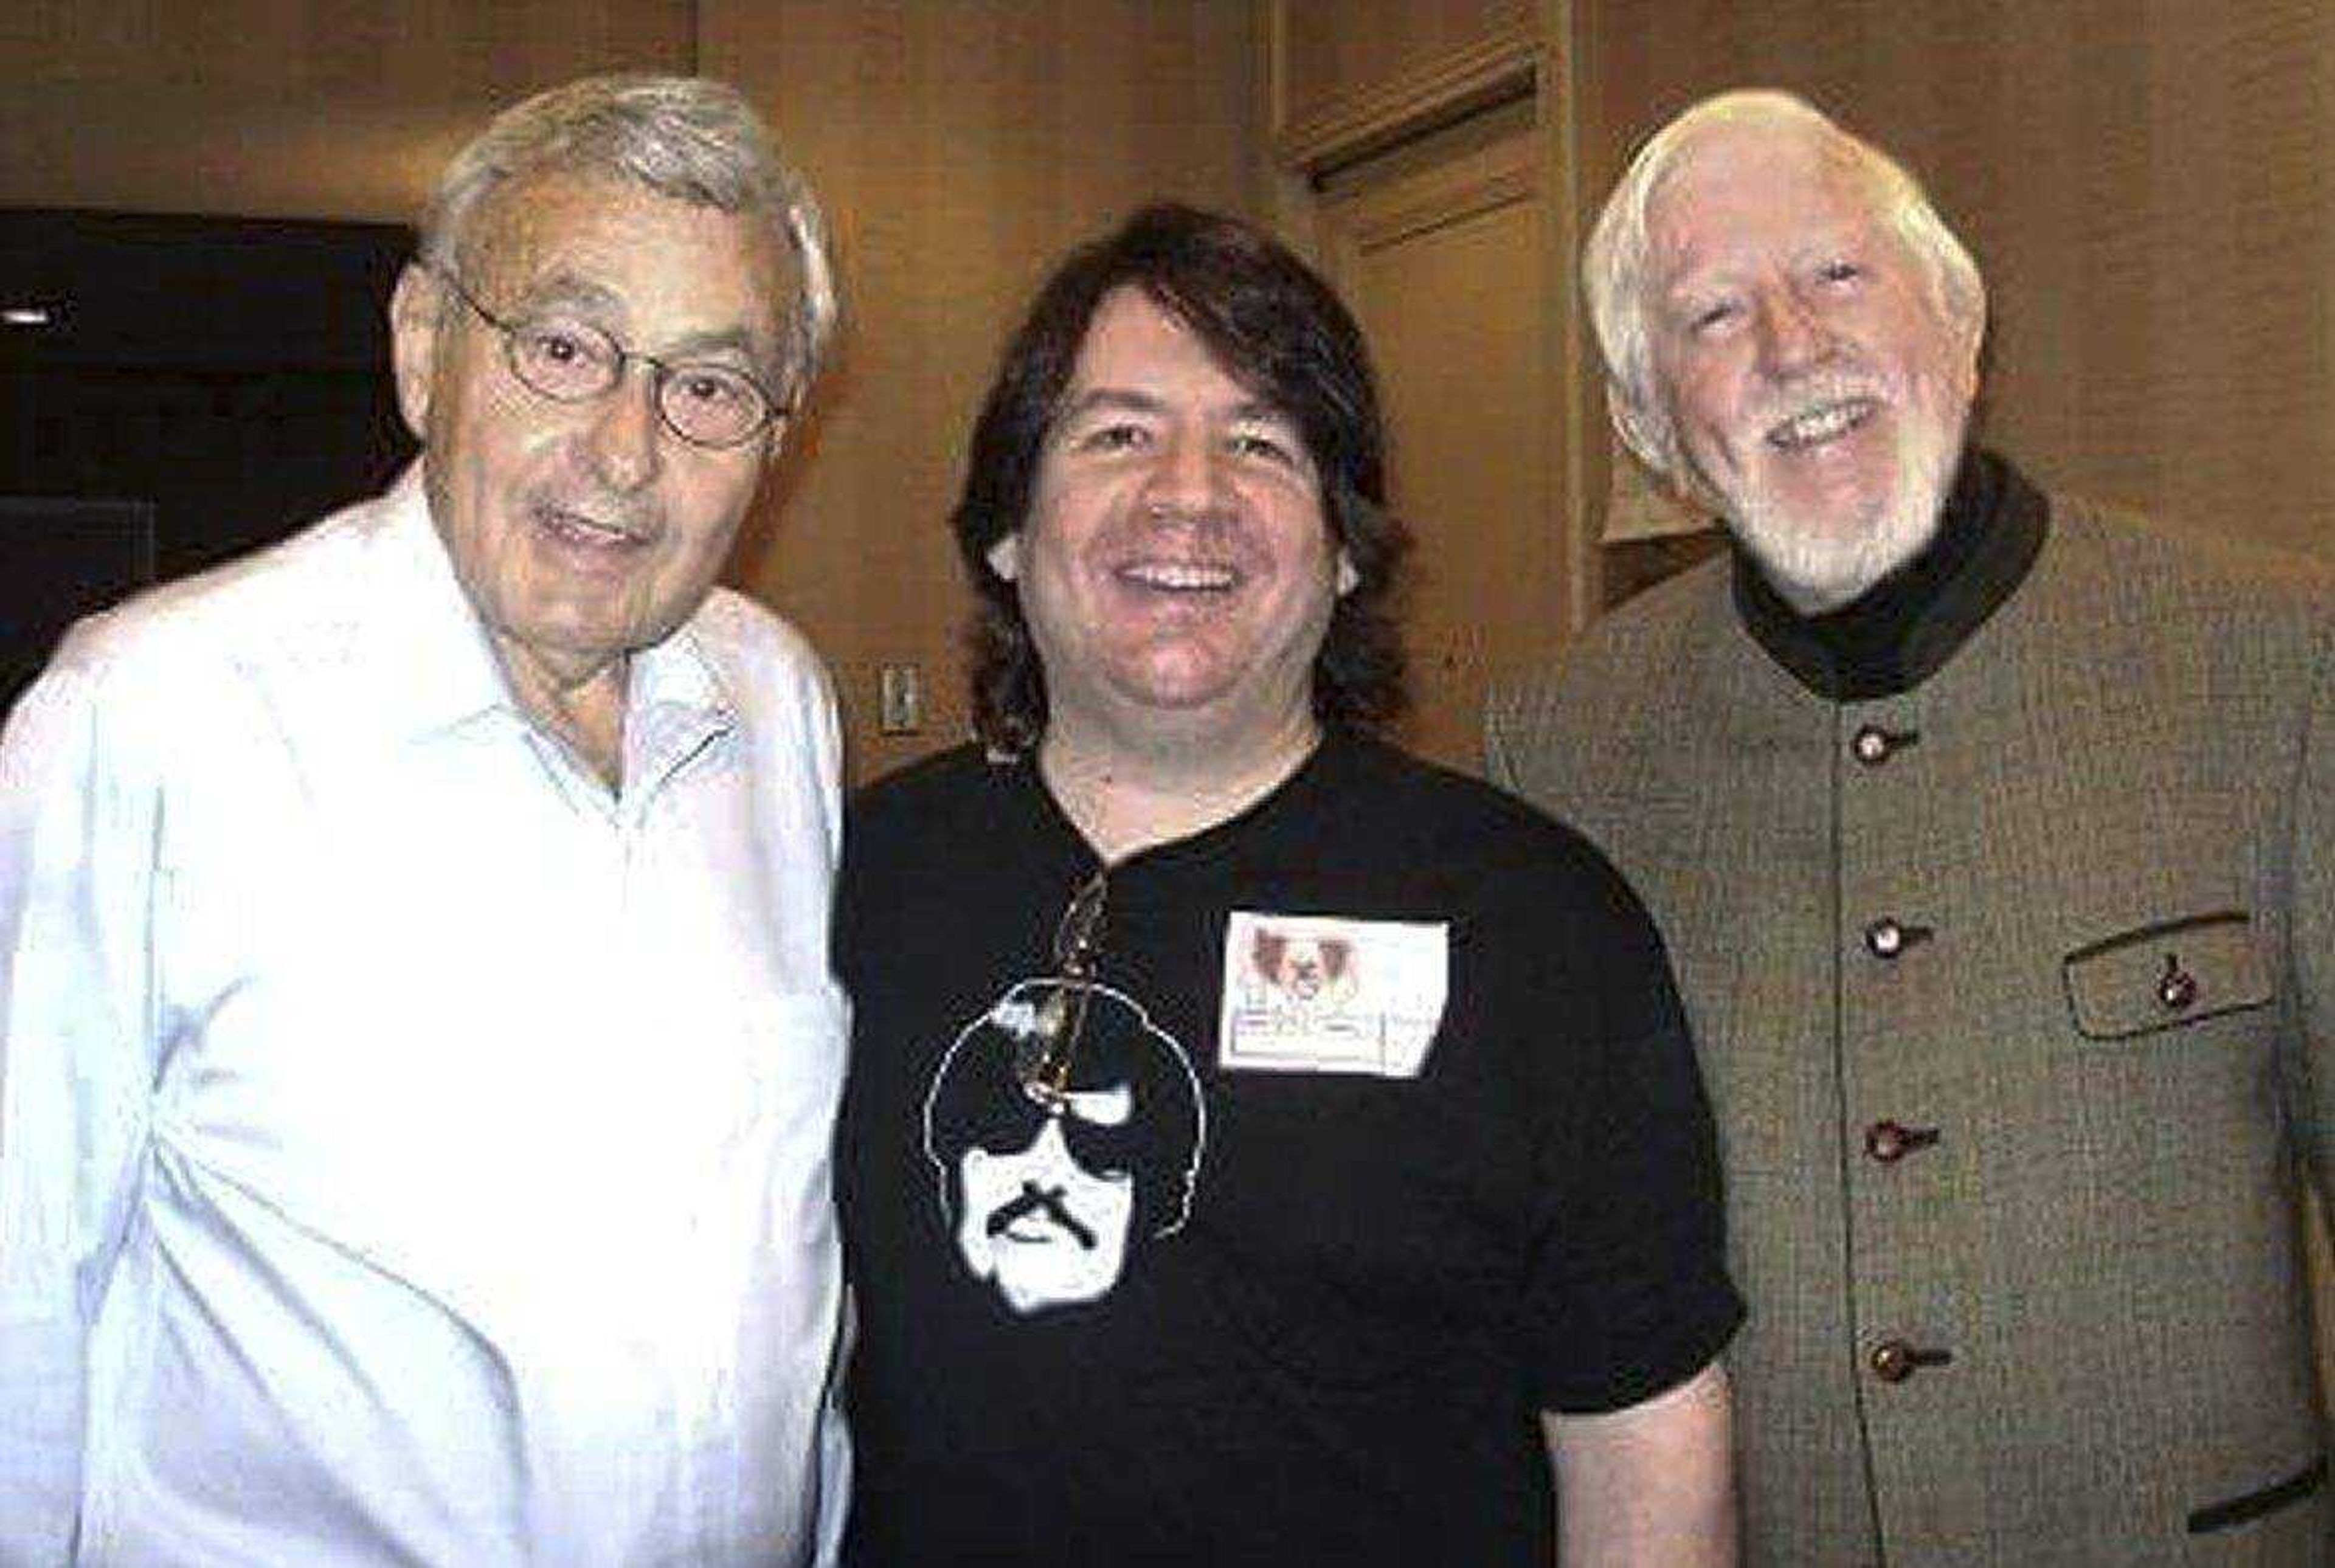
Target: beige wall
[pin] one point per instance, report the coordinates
(340, 108)
(2146, 183)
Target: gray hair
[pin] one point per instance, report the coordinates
(1613, 263)
(688, 138)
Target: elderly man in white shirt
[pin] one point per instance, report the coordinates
(417, 1046)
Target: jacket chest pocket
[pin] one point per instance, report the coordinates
(2166, 974)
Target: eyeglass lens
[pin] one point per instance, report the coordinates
(567, 361)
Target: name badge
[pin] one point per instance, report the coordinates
(1315, 994)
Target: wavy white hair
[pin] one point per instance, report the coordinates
(1613, 263)
(684, 137)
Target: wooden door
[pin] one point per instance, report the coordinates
(1440, 247)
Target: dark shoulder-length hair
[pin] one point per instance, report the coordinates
(1278, 330)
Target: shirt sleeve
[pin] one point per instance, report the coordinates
(834, 1445)
(1629, 1294)
(834, 1455)
(75, 1061)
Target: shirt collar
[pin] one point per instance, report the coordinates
(675, 704)
(1904, 629)
(438, 667)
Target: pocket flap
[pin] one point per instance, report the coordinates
(2163, 975)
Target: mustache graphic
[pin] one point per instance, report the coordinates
(1048, 1201)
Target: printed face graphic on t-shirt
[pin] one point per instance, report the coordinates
(1044, 1227)
(1046, 1191)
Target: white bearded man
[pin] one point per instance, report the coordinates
(1990, 833)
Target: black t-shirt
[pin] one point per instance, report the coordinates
(1384, 1135)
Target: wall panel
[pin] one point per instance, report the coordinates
(1374, 44)
(1344, 75)
(1443, 262)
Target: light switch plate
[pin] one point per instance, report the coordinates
(901, 700)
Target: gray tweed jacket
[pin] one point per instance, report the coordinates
(2015, 993)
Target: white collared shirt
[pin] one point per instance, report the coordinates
(411, 1150)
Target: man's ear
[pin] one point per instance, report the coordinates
(795, 394)
(1638, 428)
(415, 308)
(1973, 337)
(1349, 579)
(1005, 556)
(1651, 439)
(774, 440)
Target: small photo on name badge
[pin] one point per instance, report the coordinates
(1319, 993)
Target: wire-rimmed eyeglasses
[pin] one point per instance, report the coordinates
(568, 359)
(1043, 1057)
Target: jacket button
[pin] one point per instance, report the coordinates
(1886, 937)
(2176, 988)
(1895, 1360)
(1890, 1141)
(1871, 745)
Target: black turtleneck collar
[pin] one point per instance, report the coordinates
(1906, 626)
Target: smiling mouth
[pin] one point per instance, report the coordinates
(1178, 578)
(1826, 423)
(574, 527)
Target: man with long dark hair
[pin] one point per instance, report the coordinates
(1261, 1146)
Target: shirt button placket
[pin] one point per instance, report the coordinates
(1886, 938)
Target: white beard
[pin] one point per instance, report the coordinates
(1821, 566)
